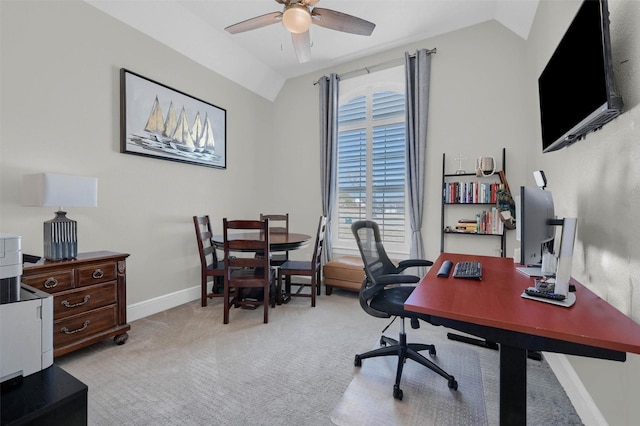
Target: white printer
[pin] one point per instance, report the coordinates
(26, 318)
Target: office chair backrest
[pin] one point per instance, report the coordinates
(379, 270)
(376, 263)
(374, 256)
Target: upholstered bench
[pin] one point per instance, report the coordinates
(343, 272)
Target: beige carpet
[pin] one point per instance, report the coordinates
(184, 367)
(427, 400)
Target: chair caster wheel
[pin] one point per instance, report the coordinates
(357, 361)
(453, 384)
(397, 393)
(432, 351)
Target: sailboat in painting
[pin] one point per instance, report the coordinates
(171, 122)
(206, 142)
(155, 123)
(171, 134)
(196, 132)
(181, 138)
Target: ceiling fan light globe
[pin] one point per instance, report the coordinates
(296, 18)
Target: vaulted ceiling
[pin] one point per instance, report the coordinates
(263, 59)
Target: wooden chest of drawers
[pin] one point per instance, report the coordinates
(89, 298)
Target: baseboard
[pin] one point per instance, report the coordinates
(577, 393)
(162, 303)
(171, 300)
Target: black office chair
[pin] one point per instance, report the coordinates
(381, 301)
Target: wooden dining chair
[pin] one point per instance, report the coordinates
(278, 224)
(244, 273)
(210, 266)
(305, 268)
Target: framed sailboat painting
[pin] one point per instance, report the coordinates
(161, 122)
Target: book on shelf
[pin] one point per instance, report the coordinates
(489, 222)
(467, 225)
(485, 222)
(471, 192)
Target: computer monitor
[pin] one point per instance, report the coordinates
(535, 224)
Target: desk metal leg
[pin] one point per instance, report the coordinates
(470, 340)
(513, 386)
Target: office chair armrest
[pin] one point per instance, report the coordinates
(396, 279)
(410, 263)
(368, 309)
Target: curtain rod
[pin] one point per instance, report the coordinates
(386, 64)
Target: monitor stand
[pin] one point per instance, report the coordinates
(530, 271)
(567, 303)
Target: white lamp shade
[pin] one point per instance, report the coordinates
(296, 18)
(52, 189)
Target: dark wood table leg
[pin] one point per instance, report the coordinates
(513, 386)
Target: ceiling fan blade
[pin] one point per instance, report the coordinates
(339, 21)
(253, 23)
(302, 46)
(311, 2)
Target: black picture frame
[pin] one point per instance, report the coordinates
(161, 122)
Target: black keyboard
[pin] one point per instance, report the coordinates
(468, 269)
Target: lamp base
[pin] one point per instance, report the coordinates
(60, 238)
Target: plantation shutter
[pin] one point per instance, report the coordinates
(371, 164)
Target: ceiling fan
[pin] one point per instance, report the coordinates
(297, 17)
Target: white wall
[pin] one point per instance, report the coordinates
(597, 180)
(60, 113)
(475, 109)
(60, 98)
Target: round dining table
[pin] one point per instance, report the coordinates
(277, 241)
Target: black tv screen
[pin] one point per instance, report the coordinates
(576, 88)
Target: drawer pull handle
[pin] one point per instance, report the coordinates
(50, 282)
(65, 330)
(98, 273)
(69, 305)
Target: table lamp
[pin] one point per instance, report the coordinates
(52, 189)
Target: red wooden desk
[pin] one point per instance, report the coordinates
(493, 309)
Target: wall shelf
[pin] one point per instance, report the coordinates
(475, 197)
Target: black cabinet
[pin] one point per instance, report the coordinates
(49, 397)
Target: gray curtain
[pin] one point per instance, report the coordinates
(328, 151)
(417, 73)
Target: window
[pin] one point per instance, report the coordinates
(371, 175)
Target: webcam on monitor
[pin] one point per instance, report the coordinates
(540, 178)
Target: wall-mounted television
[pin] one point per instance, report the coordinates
(576, 88)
